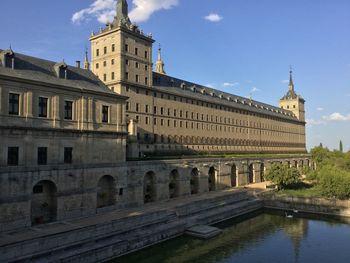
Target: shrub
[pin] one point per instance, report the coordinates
(283, 175)
(334, 182)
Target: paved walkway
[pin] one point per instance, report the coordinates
(38, 231)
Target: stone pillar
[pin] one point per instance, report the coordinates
(184, 181)
(203, 179)
(223, 179)
(257, 172)
(242, 174)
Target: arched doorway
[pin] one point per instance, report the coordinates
(211, 179)
(149, 187)
(251, 174)
(262, 172)
(194, 181)
(44, 203)
(174, 184)
(234, 176)
(106, 192)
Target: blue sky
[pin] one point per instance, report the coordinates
(247, 45)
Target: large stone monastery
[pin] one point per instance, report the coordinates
(73, 140)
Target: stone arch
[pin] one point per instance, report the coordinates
(212, 179)
(251, 173)
(262, 172)
(44, 202)
(106, 191)
(149, 187)
(234, 176)
(194, 181)
(174, 188)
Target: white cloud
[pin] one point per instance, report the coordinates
(313, 122)
(254, 89)
(104, 10)
(213, 17)
(211, 85)
(229, 85)
(319, 109)
(285, 81)
(336, 116)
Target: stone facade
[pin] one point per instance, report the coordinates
(174, 116)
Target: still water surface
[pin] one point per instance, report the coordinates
(263, 237)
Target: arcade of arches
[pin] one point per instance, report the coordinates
(160, 182)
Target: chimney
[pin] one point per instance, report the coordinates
(77, 63)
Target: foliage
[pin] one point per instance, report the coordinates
(334, 182)
(282, 175)
(340, 146)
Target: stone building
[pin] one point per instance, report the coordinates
(167, 115)
(62, 135)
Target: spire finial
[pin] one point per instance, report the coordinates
(291, 84)
(86, 60)
(122, 17)
(160, 63)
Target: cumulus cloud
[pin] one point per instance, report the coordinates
(254, 89)
(213, 17)
(319, 109)
(104, 10)
(336, 116)
(230, 85)
(285, 81)
(313, 122)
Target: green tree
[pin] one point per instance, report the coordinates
(319, 154)
(321, 145)
(341, 146)
(283, 175)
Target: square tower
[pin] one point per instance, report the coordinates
(121, 54)
(293, 102)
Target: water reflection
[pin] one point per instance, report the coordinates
(266, 237)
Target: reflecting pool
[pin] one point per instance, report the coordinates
(259, 237)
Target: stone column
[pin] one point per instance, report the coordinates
(257, 172)
(242, 173)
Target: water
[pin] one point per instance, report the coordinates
(263, 237)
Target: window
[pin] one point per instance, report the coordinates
(127, 105)
(112, 62)
(68, 155)
(146, 54)
(104, 77)
(105, 63)
(146, 108)
(137, 78)
(137, 64)
(42, 107)
(161, 110)
(127, 62)
(147, 120)
(42, 155)
(12, 156)
(146, 68)
(112, 76)
(105, 113)
(155, 110)
(13, 104)
(68, 110)
(97, 65)
(146, 80)
(137, 107)
(97, 52)
(113, 47)
(105, 50)
(38, 189)
(126, 47)
(126, 75)
(136, 51)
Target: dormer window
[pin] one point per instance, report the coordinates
(183, 85)
(61, 70)
(8, 58)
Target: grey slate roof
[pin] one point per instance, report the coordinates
(185, 88)
(36, 69)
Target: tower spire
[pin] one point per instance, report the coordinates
(122, 17)
(160, 63)
(86, 60)
(291, 84)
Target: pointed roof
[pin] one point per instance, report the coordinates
(86, 61)
(160, 64)
(122, 17)
(291, 94)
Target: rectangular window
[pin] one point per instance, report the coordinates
(68, 110)
(146, 68)
(126, 75)
(126, 48)
(137, 64)
(13, 104)
(105, 113)
(105, 50)
(68, 155)
(112, 76)
(137, 78)
(146, 80)
(105, 63)
(12, 156)
(112, 61)
(146, 54)
(97, 52)
(146, 120)
(136, 51)
(113, 47)
(161, 110)
(155, 110)
(104, 77)
(42, 107)
(97, 65)
(146, 108)
(42, 155)
(137, 107)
